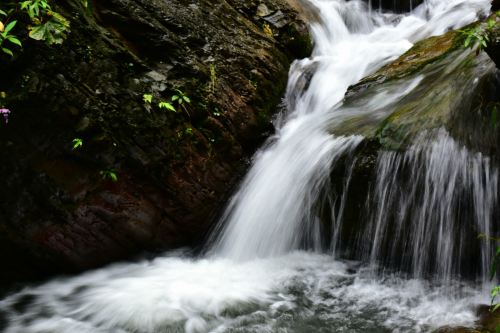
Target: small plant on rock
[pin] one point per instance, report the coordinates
(181, 99)
(77, 143)
(478, 35)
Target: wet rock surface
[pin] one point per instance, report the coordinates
(449, 86)
(59, 208)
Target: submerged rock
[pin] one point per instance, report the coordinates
(60, 209)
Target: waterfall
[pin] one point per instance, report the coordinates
(430, 205)
(273, 211)
(287, 255)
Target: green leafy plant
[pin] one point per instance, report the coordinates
(33, 7)
(474, 36)
(478, 35)
(34, 17)
(180, 97)
(77, 143)
(53, 30)
(109, 174)
(6, 36)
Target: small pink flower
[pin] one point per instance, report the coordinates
(5, 113)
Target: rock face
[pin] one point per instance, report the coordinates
(59, 208)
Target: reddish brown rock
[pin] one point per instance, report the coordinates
(175, 170)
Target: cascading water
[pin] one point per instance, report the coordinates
(256, 276)
(434, 201)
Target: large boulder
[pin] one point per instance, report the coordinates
(60, 209)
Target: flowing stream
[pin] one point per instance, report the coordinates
(271, 266)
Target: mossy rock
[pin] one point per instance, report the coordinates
(436, 84)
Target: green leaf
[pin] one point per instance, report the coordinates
(53, 31)
(113, 176)
(175, 97)
(468, 41)
(9, 27)
(77, 143)
(9, 52)
(494, 291)
(186, 99)
(14, 40)
(147, 98)
(109, 174)
(3, 13)
(166, 105)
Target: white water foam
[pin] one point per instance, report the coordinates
(177, 294)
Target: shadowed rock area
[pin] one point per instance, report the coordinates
(60, 209)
